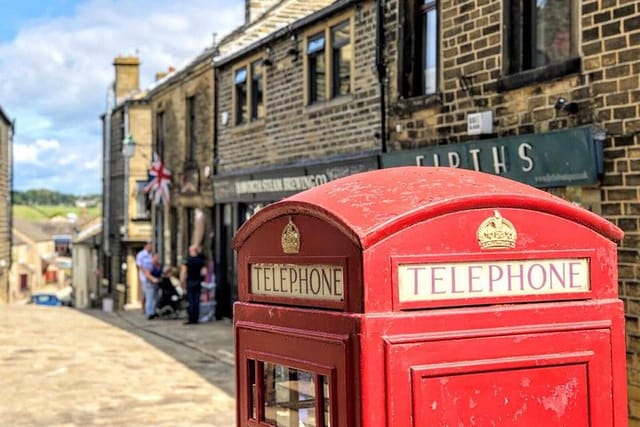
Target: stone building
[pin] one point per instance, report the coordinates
(6, 141)
(182, 125)
(542, 92)
(295, 107)
(126, 211)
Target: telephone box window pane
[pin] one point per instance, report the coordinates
(251, 370)
(289, 397)
(326, 397)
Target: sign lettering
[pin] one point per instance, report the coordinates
(552, 159)
(320, 282)
(446, 281)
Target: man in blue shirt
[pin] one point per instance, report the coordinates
(148, 283)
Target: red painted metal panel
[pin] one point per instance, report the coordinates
(399, 356)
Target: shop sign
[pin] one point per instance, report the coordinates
(553, 159)
(288, 180)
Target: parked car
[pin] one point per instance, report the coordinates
(45, 299)
(52, 297)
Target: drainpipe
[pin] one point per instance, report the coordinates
(381, 72)
(106, 177)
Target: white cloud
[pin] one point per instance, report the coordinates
(91, 165)
(48, 144)
(25, 153)
(55, 75)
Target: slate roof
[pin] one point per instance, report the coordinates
(244, 38)
(281, 16)
(31, 230)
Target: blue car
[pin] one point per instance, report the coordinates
(46, 299)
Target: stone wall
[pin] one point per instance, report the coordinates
(291, 130)
(5, 207)
(170, 99)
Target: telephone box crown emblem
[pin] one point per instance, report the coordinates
(290, 238)
(496, 232)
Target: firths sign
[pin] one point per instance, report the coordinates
(320, 282)
(446, 281)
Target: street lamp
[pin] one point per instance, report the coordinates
(128, 149)
(128, 146)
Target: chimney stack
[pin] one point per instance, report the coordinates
(127, 75)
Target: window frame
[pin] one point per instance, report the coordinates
(159, 130)
(142, 198)
(525, 71)
(327, 53)
(413, 59)
(336, 49)
(257, 81)
(250, 104)
(240, 86)
(191, 137)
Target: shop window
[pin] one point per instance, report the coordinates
(329, 62)
(289, 397)
(143, 204)
(420, 59)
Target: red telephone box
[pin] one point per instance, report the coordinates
(417, 296)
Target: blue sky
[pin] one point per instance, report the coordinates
(56, 61)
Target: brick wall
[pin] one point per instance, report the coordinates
(605, 89)
(291, 130)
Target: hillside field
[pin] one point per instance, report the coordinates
(45, 212)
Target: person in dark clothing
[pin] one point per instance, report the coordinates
(192, 273)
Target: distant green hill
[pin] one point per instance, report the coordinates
(45, 212)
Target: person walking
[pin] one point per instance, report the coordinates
(144, 261)
(192, 272)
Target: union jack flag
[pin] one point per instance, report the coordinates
(159, 181)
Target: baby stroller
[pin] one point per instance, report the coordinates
(171, 302)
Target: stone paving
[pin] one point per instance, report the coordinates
(62, 367)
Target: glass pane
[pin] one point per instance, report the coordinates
(430, 51)
(317, 76)
(257, 96)
(241, 103)
(342, 58)
(553, 30)
(340, 34)
(316, 44)
(289, 397)
(326, 397)
(251, 371)
(241, 76)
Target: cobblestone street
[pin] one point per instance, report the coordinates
(64, 367)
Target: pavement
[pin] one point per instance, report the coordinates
(214, 338)
(63, 367)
